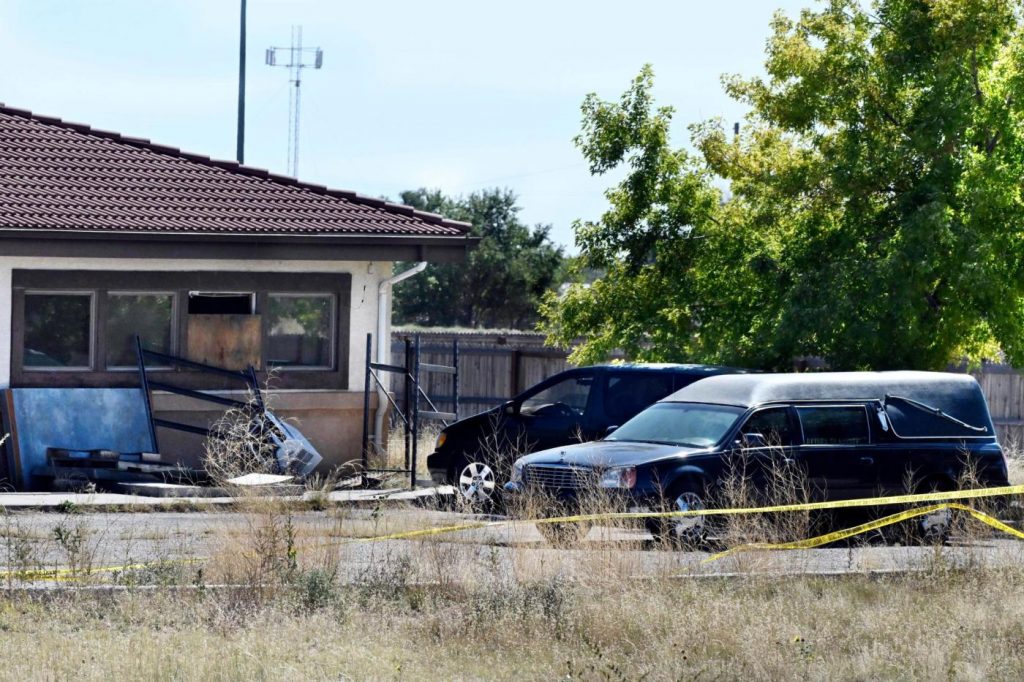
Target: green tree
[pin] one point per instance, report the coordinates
(873, 212)
(500, 284)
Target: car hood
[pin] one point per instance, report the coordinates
(607, 453)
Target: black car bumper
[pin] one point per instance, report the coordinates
(437, 465)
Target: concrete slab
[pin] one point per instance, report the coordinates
(166, 494)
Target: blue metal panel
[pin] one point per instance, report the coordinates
(77, 419)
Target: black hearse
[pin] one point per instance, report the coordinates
(569, 407)
(852, 434)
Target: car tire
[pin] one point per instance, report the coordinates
(691, 532)
(564, 535)
(476, 485)
(933, 529)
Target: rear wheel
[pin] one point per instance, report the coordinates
(934, 528)
(928, 529)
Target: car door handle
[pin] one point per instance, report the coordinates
(867, 461)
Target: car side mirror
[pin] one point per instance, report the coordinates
(509, 408)
(753, 440)
(610, 430)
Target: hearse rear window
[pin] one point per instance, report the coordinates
(840, 425)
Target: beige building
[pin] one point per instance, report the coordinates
(104, 237)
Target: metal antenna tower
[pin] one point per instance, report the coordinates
(296, 63)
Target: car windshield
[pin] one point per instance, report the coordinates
(688, 424)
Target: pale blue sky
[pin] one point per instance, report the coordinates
(453, 94)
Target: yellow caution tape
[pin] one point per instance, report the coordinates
(838, 535)
(58, 574)
(944, 497)
(918, 498)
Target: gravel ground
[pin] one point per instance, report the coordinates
(55, 540)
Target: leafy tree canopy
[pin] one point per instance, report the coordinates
(500, 284)
(873, 214)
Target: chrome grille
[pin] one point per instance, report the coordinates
(556, 477)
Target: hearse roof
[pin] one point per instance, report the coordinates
(957, 395)
(706, 370)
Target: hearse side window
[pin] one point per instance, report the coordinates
(840, 425)
(771, 423)
(58, 331)
(628, 393)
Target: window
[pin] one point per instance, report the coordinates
(569, 395)
(627, 394)
(129, 315)
(78, 327)
(221, 303)
(685, 424)
(834, 425)
(299, 330)
(58, 331)
(773, 424)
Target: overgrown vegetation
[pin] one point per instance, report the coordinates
(871, 212)
(501, 282)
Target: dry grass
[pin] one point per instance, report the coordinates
(288, 594)
(929, 626)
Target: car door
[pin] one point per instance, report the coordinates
(553, 415)
(762, 456)
(836, 451)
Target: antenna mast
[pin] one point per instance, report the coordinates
(296, 63)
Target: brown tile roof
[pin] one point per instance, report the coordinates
(57, 175)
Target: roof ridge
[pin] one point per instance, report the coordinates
(235, 167)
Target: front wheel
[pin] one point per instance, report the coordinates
(682, 531)
(476, 484)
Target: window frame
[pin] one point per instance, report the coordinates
(93, 315)
(796, 429)
(174, 326)
(332, 327)
(253, 297)
(97, 283)
(867, 424)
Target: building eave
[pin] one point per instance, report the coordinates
(208, 246)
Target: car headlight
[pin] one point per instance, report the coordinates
(517, 473)
(441, 438)
(619, 477)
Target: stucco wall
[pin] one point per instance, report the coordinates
(331, 419)
(366, 275)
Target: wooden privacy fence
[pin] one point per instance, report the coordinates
(1003, 387)
(494, 366)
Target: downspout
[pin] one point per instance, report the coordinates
(384, 341)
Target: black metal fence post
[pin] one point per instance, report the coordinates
(144, 381)
(366, 406)
(415, 415)
(408, 400)
(455, 378)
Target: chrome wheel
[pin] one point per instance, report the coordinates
(688, 527)
(934, 528)
(476, 482)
